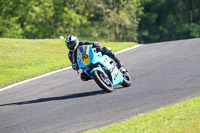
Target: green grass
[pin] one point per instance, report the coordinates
(25, 58)
(179, 118)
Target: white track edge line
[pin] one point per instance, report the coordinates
(53, 72)
(129, 49)
(27, 80)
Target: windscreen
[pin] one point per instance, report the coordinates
(82, 50)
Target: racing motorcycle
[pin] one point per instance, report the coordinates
(101, 68)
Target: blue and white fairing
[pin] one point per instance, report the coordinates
(86, 55)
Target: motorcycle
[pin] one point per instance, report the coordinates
(101, 68)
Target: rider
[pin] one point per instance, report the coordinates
(73, 43)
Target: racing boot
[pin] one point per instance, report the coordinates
(84, 76)
(120, 65)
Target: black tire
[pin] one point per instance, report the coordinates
(100, 80)
(126, 80)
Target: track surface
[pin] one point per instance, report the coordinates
(163, 74)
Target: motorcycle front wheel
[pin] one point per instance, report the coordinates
(102, 80)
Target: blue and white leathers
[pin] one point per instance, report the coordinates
(90, 60)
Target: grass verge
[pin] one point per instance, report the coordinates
(179, 118)
(25, 58)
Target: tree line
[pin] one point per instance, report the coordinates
(142, 21)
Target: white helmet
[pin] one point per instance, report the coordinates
(71, 42)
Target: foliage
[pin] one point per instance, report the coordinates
(52, 18)
(122, 17)
(110, 20)
(164, 20)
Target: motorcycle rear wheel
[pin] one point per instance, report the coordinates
(126, 80)
(102, 81)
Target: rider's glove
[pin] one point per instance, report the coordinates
(96, 45)
(75, 66)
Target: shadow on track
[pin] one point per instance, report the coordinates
(65, 97)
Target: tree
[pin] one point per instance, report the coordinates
(9, 26)
(123, 17)
(165, 20)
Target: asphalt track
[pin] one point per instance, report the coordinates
(163, 74)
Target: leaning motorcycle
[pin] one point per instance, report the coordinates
(101, 68)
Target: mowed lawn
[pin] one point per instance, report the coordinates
(25, 58)
(179, 118)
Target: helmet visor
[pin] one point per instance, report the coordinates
(71, 45)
